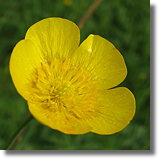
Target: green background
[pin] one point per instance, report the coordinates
(126, 23)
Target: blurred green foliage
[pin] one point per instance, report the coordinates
(126, 23)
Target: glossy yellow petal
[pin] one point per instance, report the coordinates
(115, 113)
(54, 38)
(59, 119)
(24, 59)
(103, 60)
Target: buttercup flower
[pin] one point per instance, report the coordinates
(70, 87)
(67, 2)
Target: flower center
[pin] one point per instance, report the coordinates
(64, 87)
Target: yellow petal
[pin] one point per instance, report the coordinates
(54, 38)
(24, 59)
(116, 111)
(59, 120)
(103, 60)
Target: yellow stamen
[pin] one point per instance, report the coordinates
(65, 87)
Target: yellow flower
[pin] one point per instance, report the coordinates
(67, 86)
(67, 2)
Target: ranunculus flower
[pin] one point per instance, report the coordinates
(70, 87)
